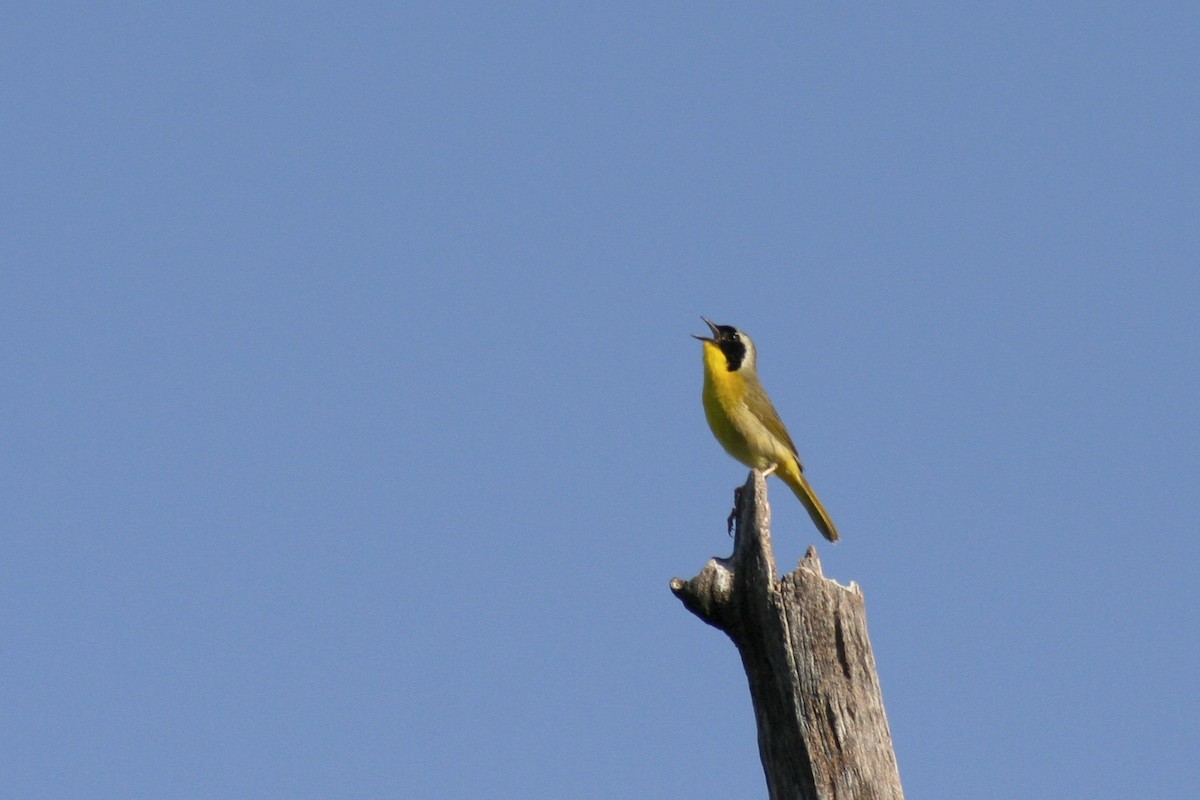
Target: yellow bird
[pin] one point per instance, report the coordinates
(744, 421)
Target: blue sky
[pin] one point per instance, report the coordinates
(352, 428)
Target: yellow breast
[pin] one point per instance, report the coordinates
(733, 424)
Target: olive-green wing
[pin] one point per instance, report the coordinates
(758, 402)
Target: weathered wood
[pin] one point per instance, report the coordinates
(822, 730)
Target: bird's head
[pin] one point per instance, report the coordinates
(736, 346)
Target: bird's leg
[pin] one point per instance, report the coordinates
(737, 499)
(737, 506)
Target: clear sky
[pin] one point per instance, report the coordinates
(352, 428)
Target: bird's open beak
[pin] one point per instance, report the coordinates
(711, 327)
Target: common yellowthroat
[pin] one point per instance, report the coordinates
(744, 421)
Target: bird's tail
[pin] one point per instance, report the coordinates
(795, 480)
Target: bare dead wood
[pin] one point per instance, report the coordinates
(822, 730)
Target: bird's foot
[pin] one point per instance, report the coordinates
(737, 507)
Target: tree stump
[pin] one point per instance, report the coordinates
(822, 730)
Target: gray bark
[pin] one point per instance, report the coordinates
(822, 730)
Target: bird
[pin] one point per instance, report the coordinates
(744, 421)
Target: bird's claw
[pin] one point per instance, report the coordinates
(737, 507)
